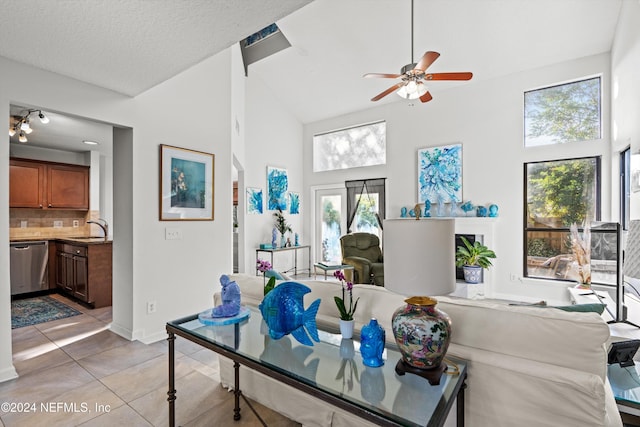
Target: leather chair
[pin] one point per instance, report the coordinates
(362, 251)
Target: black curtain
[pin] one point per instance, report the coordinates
(360, 187)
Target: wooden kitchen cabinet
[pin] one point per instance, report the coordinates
(85, 272)
(26, 184)
(46, 185)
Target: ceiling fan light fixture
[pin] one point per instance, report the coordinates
(12, 131)
(44, 119)
(24, 125)
(22, 137)
(412, 90)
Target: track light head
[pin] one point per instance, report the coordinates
(44, 119)
(22, 138)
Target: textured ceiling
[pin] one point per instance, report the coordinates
(128, 46)
(131, 45)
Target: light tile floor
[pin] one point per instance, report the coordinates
(106, 380)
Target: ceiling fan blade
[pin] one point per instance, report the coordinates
(449, 76)
(388, 91)
(426, 60)
(426, 97)
(383, 75)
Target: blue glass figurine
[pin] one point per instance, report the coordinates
(403, 212)
(481, 211)
(297, 240)
(230, 299)
(493, 211)
(372, 344)
(467, 207)
(427, 208)
(274, 235)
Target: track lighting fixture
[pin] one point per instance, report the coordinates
(22, 124)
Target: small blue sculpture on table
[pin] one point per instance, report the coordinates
(481, 211)
(297, 240)
(403, 212)
(274, 236)
(372, 338)
(493, 211)
(230, 299)
(284, 313)
(412, 213)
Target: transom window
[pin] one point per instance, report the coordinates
(563, 113)
(353, 147)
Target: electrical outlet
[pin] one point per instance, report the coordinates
(57, 224)
(172, 233)
(23, 224)
(151, 307)
(76, 223)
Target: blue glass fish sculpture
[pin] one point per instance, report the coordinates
(284, 313)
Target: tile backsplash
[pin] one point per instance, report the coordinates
(51, 223)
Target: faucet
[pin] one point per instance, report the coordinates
(102, 224)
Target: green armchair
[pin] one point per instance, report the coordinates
(362, 251)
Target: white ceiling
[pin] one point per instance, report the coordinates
(130, 46)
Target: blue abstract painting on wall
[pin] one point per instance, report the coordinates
(254, 200)
(294, 203)
(440, 174)
(278, 184)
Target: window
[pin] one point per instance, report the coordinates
(558, 193)
(350, 148)
(563, 113)
(625, 188)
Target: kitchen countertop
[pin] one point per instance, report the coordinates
(70, 239)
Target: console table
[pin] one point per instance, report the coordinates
(407, 400)
(295, 250)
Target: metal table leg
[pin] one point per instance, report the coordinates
(172, 389)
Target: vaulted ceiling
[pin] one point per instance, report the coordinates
(130, 46)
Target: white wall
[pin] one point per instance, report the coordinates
(625, 65)
(180, 275)
(273, 138)
(487, 118)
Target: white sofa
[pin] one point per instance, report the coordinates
(527, 366)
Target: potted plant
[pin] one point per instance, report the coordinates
(472, 259)
(282, 226)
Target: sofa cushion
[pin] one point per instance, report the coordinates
(569, 339)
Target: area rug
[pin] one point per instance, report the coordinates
(32, 311)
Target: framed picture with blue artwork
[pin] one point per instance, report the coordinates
(277, 186)
(254, 201)
(294, 203)
(440, 174)
(186, 184)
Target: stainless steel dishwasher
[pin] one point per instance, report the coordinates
(29, 266)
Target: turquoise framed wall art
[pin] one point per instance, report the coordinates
(440, 174)
(277, 186)
(254, 201)
(294, 203)
(186, 184)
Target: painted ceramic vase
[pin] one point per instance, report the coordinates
(422, 332)
(372, 344)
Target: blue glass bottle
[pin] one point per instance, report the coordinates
(372, 338)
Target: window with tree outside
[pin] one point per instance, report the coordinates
(560, 192)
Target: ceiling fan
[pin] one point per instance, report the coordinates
(414, 75)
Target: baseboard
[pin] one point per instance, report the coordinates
(8, 374)
(123, 332)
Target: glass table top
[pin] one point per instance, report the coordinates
(334, 365)
(625, 383)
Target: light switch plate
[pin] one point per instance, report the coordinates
(172, 233)
(23, 224)
(57, 224)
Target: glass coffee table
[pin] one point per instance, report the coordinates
(378, 395)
